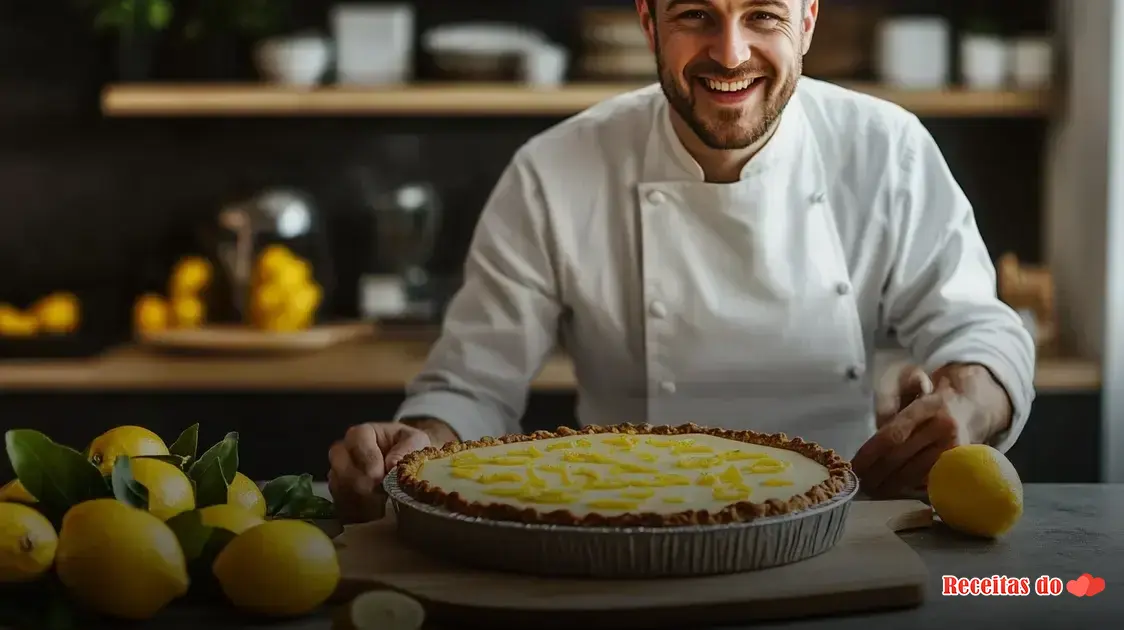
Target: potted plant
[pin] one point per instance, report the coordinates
(219, 35)
(137, 25)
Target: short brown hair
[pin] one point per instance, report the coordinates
(652, 6)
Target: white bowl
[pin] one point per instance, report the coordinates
(293, 60)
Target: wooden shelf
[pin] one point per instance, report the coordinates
(380, 365)
(468, 99)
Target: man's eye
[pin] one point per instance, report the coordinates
(693, 15)
(761, 15)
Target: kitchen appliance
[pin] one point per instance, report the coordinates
(406, 220)
(244, 228)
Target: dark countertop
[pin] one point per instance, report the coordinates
(1066, 530)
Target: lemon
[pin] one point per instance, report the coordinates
(188, 312)
(273, 259)
(268, 298)
(191, 275)
(126, 440)
(151, 313)
(27, 543)
(279, 568)
(57, 313)
(975, 489)
(233, 518)
(169, 490)
(244, 493)
(16, 323)
(119, 560)
(297, 273)
(15, 491)
(382, 610)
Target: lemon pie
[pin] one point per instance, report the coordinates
(626, 475)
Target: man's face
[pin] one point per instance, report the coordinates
(729, 67)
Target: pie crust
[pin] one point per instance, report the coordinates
(835, 474)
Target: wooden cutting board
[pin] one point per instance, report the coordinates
(870, 568)
(236, 339)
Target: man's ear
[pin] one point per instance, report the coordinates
(811, 16)
(646, 9)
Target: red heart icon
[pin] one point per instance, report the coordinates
(1096, 585)
(1079, 587)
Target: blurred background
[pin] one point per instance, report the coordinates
(250, 213)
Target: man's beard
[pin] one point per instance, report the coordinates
(725, 130)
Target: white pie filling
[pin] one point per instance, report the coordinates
(613, 474)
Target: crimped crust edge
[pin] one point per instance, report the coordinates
(742, 511)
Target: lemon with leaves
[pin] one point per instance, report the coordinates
(232, 518)
(15, 491)
(280, 568)
(127, 440)
(119, 560)
(28, 543)
(244, 493)
(169, 490)
(976, 490)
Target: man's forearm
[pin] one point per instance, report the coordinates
(439, 431)
(976, 383)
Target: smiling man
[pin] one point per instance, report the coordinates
(724, 248)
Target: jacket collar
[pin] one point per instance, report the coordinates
(666, 159)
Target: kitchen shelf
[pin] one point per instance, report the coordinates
(377, 365)
(479, 99)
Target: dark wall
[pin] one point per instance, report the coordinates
(86, 201)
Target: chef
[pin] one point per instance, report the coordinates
(723, 248)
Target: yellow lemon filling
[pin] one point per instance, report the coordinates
(614, 474)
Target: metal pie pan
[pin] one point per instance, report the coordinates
(608, 552)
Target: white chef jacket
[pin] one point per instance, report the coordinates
(746, 305)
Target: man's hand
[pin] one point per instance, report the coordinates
(361, 460)
(967, 406)
(897, 390)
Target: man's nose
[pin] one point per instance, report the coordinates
(732, 47)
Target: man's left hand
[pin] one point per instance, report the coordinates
(967, 406)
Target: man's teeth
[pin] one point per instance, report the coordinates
(723, 86)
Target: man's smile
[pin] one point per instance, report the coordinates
(730, 92)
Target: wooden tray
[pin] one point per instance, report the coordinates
(235, 339)
(871, 568)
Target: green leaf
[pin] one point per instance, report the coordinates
(199, 542)
(212, 486)
(277, 493)
(187, 444)
(225, 451)
(191, 532)
(316, 508)
(289, 494)
(214, 471)
(125, 487)
(57, 475)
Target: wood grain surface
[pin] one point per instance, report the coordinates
(378, 364)
(871, 568)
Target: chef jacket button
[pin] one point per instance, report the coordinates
(819, 197)
(657, 197)
(854, 373)
(668, 387)
(842, 288)
(657, 309)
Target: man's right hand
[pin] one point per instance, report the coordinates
(361, 460)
